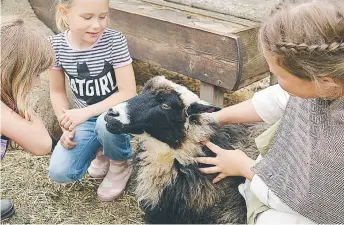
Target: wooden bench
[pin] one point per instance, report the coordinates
(219, 50)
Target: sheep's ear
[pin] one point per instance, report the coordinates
(197, 108)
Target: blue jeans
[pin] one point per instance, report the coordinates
(67, 165)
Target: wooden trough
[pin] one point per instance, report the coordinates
(219, 50)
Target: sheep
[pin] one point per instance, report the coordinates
(170, 122)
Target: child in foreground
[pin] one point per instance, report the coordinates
(299, 177)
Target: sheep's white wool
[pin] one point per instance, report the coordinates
(158, 171)
(158, 157)
(187, 96)
(201, 131)
(123, 112)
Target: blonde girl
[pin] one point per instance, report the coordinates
(300, 179)
(95, 62)
(25, 54)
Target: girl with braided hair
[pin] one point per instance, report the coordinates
(299, 175)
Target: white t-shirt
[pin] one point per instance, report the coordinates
(270, 104)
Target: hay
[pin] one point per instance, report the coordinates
(38, 200)
(145, 71)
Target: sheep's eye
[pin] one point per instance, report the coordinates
(165, 106)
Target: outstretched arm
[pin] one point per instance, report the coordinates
(266, 106)
(243, 112)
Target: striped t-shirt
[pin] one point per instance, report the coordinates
(90, 72)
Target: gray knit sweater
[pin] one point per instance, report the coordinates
(305, 165)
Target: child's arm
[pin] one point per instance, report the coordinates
(59, 101)
(126, 89)
(265, 106)
(243, 112)
(237, 163)
(58, 94)
(31, 135)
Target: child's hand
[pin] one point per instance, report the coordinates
(72, 118)
(227, 163)
(66, 139)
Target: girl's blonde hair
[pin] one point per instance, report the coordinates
(308, 40)
(24, 55)
(61, 24)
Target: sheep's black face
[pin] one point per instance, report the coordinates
(159, 113)
(160, 110)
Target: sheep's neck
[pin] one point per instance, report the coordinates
(157, 169)
(160, 153)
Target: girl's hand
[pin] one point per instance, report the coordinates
(66, 139)
(73, 117)
(227, 163)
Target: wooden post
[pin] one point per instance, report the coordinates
(212, 94)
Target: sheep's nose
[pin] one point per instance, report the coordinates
(112, 113)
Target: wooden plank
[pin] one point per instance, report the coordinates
(219, 16)
(253, 79)
(212, 94)
(199, 54)
(167, 14)
(200, 47)
(253, 60)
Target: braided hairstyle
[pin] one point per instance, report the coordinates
(308, 40)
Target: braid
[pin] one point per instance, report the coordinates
(292, 48)
(307, 40)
